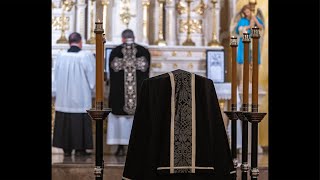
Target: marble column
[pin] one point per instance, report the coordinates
(233, 10)
(156, 20)
(170, 24)
(115, 30)
(135, 23)
(213, 24)
(145, 24)
(80, 18)
(91, 20)
(140, 26)
(217, 20)
(105, 17)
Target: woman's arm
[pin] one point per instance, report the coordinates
(257, 22)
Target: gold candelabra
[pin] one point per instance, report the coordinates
(180, 8)
(161, 41)
(126, 15)
(214, 41)
(66, 6)
(92, 39)
(145, 4)
(188, 41)
(200, 8)
(105, 4)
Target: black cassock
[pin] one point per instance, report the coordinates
(128, 66)
(178, 131)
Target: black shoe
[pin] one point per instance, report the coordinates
(82, 153)
(67, 154)
(120, 151)
(67, 159)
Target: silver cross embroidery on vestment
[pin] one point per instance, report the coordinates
(130, 64)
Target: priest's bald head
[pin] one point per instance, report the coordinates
(127, 36)
(75, 39)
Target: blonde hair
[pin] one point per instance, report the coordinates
(247, 6)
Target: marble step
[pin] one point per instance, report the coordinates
(111, 172)
(82, 168)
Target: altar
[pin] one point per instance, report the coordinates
(177, 33)
(168, 58)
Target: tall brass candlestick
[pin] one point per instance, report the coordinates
(99, 64)
(161, 41)
(62, 39)
(234, 45)
(255, 117)
(66, 6)
(99, 113)
(255, 70)
(214, 41)
(245, 99)
(246, 42)
(188, 41)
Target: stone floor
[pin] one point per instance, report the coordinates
(81, 168)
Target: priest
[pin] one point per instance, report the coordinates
(129, 65)
(178, 131)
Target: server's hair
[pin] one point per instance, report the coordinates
(74, 38)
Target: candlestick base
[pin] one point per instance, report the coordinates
(188, 42)
(254, 116)
(97, 114)
(232, 115)
(161, 42)
(92, 40)
(235, 163)
(62, 40)
(241, 116)
(213, 43)
(98, 171)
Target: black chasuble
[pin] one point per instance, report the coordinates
(178, 131)
(128, 66)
